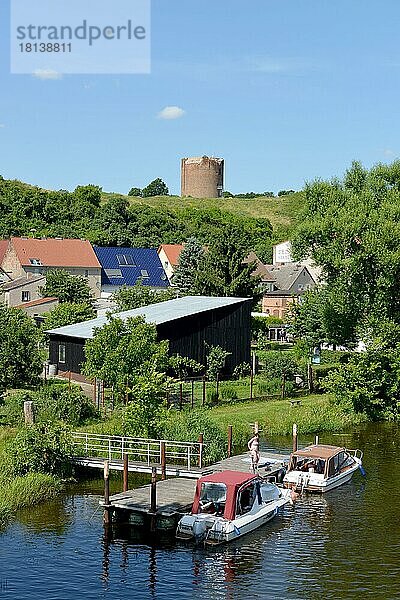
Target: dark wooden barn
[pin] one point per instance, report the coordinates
(188, 323)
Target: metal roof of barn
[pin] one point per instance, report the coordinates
(163, 312)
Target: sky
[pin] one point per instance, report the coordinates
(284, 91)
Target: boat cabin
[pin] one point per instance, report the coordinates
(322, 460)
(228, 494)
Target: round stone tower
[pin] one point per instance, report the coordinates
(202, 177)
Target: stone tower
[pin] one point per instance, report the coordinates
(202, 177)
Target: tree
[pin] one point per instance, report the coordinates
(68, 313)
(216, 357)
(120, 351)
(138, 295)
(89, 193)
(136, 192)
(21, 361)
(190, 261)
(223, 271)
(155, 188)
(351, 229)
(67, 288)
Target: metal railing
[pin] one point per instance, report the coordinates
(149, 451)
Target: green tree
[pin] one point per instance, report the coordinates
(67, 288)
(89, 193)
(190, 261)
(138, 295)
(155, 188)
(136, 192)
(223, 271)
(216, 358)
(21, 360)
(120, 351)
(68, 313)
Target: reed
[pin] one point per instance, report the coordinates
(316, 414)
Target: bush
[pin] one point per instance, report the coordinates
(212, 396)
(320, 373)
(228, 391)
(41, 448)
(277, 363)
(188, 425)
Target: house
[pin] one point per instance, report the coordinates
(188, 323)
(289, 282)
(3, 249)
(25, 257)
(282, 254)
(126, 266)
(18, 292)
(260, 270)
(169, 256)
(37, 308)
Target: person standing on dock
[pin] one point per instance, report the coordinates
(254, 445)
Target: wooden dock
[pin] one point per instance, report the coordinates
(159, 506)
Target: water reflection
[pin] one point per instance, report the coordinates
(342, 545)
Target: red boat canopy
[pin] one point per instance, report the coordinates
(233, 480)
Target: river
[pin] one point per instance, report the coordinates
(343, 545)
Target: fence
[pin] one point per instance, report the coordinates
(148, 451)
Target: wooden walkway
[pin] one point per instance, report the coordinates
(174, 497)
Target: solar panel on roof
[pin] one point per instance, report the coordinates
(112, 273)
(144, 273)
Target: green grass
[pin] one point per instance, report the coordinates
(315, 415)
(21, 492)
(284, 211)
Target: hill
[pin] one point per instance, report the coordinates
(283, 212)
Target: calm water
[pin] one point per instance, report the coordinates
(344, 545)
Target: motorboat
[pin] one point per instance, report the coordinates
(229, 504)
(321, 468)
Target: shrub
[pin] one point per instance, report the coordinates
(41, 448)
(188, 425)
(228, 391)
(61, 403)
(277, 363)
(212, 396)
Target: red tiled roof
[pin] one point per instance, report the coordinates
(173, 252)
(37, 302)
(3, 249)
(55, 252)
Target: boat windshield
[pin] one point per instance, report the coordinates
(213, 497)
(314, 465)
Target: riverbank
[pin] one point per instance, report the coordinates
(315, 414)
(21, 492)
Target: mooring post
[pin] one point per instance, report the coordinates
(126, 471)
(106, 516)
(204, 391)
(294, 437)
(201, 441)
(230, 429)
(180, 395)
(316, 440)
(163, 462)
(29, 412)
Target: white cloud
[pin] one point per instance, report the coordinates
(389, 152)
(2, 125)
(46, 74)
(170, 113)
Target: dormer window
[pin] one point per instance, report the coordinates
(35, 261)
(144, 273)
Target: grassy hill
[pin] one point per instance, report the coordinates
(284, 212)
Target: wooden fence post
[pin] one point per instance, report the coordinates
(201, 441)
(106, 516)
(230, 429)
(294, 437)
(163, 462)
(29, 412)
(126, 471)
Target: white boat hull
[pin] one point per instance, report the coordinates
(312, 482)
(218, 530)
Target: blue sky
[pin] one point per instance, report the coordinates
(284, 91)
